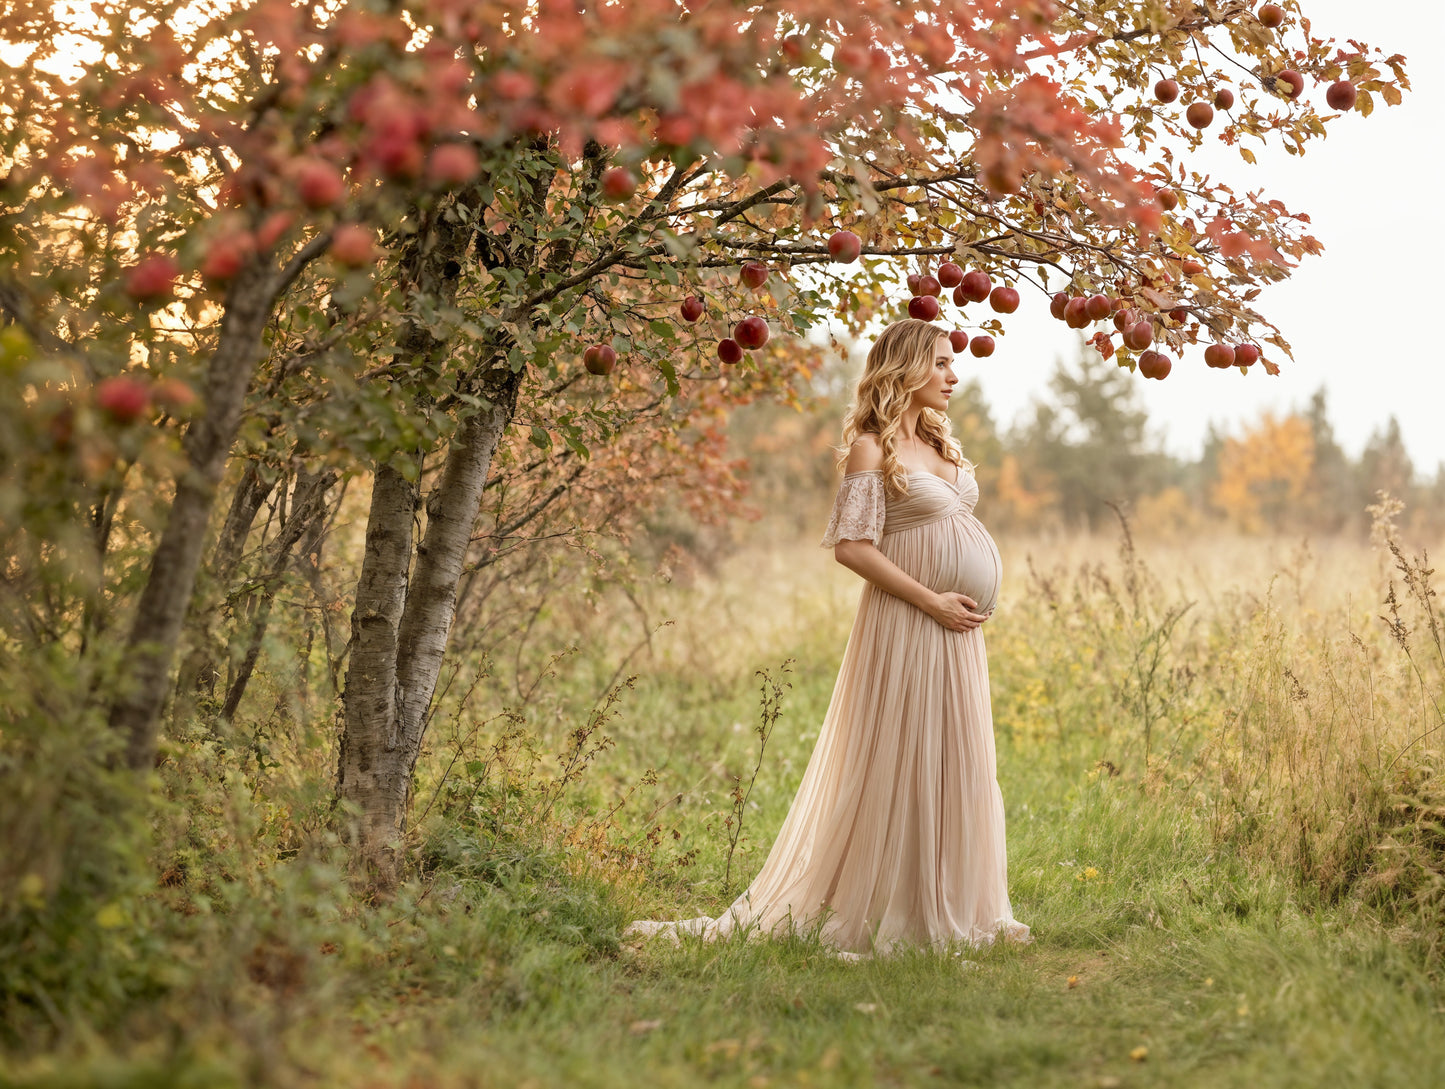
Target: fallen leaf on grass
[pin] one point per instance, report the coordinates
(642, 1028)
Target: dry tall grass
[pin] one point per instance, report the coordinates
(1288, 692)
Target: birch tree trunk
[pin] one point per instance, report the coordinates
(167, 594)
(401, 627)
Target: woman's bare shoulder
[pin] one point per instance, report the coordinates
(865, 453)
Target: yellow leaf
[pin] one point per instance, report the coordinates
(110, 917)
(1391, 93)
(1366, 103)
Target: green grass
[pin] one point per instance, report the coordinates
(1156, 926)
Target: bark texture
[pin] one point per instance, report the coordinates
(401, 628)
(403, 615)
(199, 671)
(308, 515)
(167, 594)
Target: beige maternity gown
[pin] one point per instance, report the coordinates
(896, 834)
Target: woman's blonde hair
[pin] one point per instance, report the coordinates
(900, 361)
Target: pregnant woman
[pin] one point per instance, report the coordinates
(897, 831)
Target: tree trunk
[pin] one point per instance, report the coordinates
(308, 511)
(198, 671)
(162, 609)
(400, 632)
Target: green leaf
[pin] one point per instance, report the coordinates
(664, 364)
(575, 443)
(540, 438)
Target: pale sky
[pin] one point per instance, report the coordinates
(1360, 316)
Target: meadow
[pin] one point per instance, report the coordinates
(1219, 757)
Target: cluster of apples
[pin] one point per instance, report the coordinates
(1222, 356)
(749, 334)
(1079, 311)
(1340, 95)
(126, 398)
(967, 287)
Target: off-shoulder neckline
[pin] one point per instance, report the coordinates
(916, 472)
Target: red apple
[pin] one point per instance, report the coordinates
(1293, 83)
(1219, 355)
(1199, 114)
(452, 165)
(600, 359)
(929, 285)
(1098, 307)
(913, 281)
(1166, 90)
(1246, 355)
(1005, 300)
(676, 130)
(1076, 312)
(1340, 95)
(1271, 15)
(751, 332)
(1125, 318)
(272, 228)
(923, 307)
(729, 351)
(1139, 335)
(959, 298)
(845, 246)
(618, 183)
(1155, 365)
(1223, 98)
(754, 275)
(692, 308)
(1179, 314)
(976, 285)
(1058, 303)
(1168, 199)
(226, 254)
(353, 245)
(122, 398)
(398, 156)
(173, 395)
(949, 274)
(981, 346)
(152, 277)
(1003, 177)
(959, 339)
(319, 184)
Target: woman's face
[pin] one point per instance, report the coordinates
(941, 378)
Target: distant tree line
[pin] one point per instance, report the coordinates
(1086, 442)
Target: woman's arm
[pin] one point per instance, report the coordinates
(952, 610)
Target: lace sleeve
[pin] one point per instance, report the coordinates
(858, 511)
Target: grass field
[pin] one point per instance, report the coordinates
(1223, 805)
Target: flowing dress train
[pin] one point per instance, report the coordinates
(896, 834)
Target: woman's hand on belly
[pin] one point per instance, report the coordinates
(956, 611)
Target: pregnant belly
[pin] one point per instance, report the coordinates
(970, 564)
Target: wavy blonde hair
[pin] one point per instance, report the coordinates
(900, 361)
